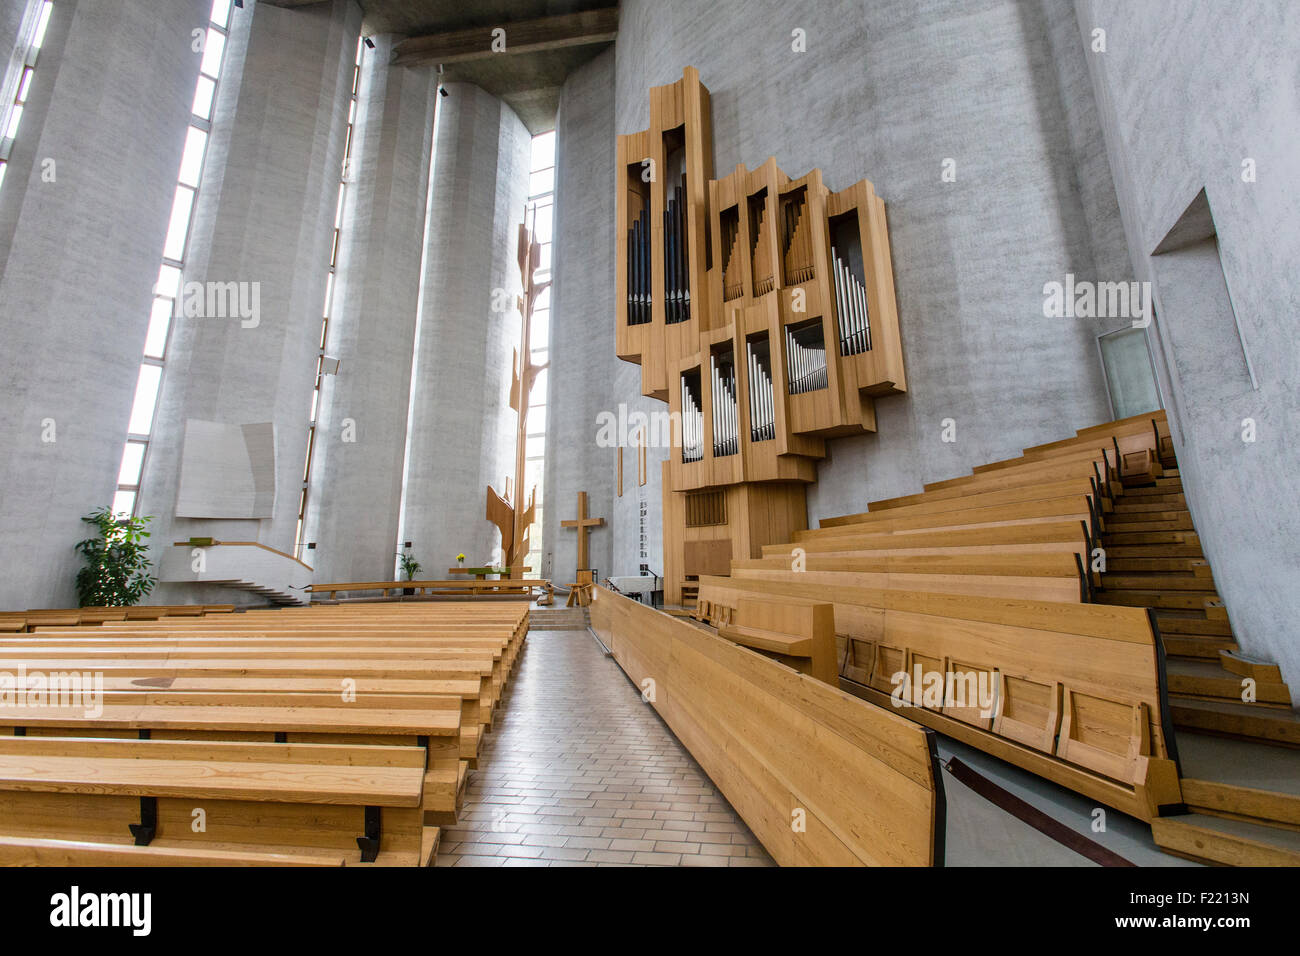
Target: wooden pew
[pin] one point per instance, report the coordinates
(1060, 536)
(431, 723)
(945, 503)
(795, 632)
(358, 804)
(1080, 694)
(37, 851)
(20, 621)
(1042, 576)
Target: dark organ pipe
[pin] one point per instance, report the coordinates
(638, 270)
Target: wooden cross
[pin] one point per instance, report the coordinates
(583, 524)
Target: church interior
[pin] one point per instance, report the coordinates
(737, 433)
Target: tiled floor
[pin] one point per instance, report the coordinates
(579, 772)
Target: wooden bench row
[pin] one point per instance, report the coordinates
(25, 621)
(511, 587)
(353, 686)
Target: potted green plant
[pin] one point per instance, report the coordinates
(117, 561)
(410, 567)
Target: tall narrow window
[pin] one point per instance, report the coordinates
(168, 290)
(541, 214)
(324, 365)
(23, 88)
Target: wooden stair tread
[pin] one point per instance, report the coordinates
(1203, 678)
(1220, 840)
(1270, 725)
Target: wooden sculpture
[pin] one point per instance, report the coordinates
(761, 309)
(508, 512)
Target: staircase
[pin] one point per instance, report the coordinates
(246, 566)
(1238, 736)
(558, 619)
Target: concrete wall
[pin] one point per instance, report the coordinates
(265, 215)
(1187, 92)
(462, 425)
(356, 489)
(887, 91)
(78, 259)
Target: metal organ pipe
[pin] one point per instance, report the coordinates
(851, 297)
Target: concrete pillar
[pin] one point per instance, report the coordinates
(83, 216)
(583, 363)
(462, 426)
(356, 489)
(265, 216)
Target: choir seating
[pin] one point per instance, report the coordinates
(1074, 689)
(1069, 580)
(398, 685)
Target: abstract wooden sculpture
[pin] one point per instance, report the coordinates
(508, 512)
(761, 309)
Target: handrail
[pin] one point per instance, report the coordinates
(243, 544)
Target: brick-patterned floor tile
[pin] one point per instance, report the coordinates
(579, 771)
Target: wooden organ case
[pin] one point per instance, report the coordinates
(761, 309)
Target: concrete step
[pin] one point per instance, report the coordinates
(558, 619)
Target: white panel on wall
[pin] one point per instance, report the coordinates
(227, 471)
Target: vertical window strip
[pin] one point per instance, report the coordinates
(299, 545)
(168, 290)
(541, 209)
(24, 87)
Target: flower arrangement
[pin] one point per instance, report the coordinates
(460, 558)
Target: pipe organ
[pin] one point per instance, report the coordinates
(762, 311)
